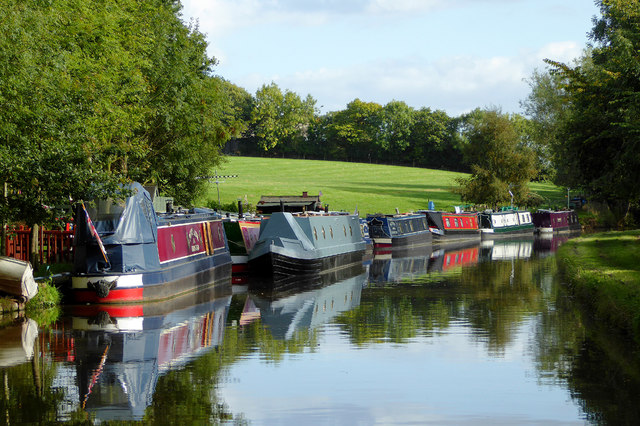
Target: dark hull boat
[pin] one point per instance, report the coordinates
(505, 223)
(400, 230)
(133, 254)
(299, 244)
(450, 226)
(549, 221)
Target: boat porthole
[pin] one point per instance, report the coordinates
(323, 234)
(315, 232)
(331, 231)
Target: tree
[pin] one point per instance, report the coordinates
(600, 150)
(354, 132)
(396, 123)
(280, 118)
(500, 162)
(95, 94)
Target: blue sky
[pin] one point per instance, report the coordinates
(452, 55)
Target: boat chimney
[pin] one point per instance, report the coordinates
(240, 215)
(305, 194)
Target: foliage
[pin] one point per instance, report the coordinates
(95, 94)
(501, 163)
(279, 118)
(598, 120)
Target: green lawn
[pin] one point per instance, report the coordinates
(369, 187)
(603, 271)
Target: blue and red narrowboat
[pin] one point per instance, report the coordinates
(398, 230)
(126, 252)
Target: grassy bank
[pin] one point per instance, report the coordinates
(603, 272)
(372, 188)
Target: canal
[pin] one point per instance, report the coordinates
(468, 334)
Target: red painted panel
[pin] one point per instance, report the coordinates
(122, 295)
(217, 236)
(454, 221)
(250, 233)
(175, 242)
(114, 311)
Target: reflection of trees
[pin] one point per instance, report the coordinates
(28, 396)
(493, 297)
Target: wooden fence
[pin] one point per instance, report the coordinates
(55, 246)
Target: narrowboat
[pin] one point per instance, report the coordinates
(451, 226)
(549, 221)
(306, 243)
(506, 223)
(398, 230)
(127, 252)
(242, 234)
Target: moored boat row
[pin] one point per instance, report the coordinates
(132, 251)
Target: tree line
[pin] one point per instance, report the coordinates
(95, 94)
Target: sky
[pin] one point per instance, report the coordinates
(451, 55)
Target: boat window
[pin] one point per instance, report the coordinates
(323, 234)
(344, 228)
(447, 222)
(350, 231)
(331, 231)
(455, 220)
(315, 232)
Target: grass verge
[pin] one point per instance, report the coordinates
(603, 272)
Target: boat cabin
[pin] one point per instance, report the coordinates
(289, 203)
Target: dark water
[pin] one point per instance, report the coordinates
(477, 334)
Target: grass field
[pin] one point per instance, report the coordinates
(369, 187)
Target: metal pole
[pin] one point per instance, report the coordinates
(218, 188)
(568, 208)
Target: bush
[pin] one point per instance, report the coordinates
(230, 207)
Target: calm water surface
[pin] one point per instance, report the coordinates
(475, 334)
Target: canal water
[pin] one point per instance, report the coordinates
(468, 334)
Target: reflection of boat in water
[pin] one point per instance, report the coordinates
(455, 256)
(118, 357)
(400, 264)
(17, 342)
(507, 249)
(546, 244)
(280, 285)
(286, 314)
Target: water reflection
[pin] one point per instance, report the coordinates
(121, 351)
(17, 341)
(286, 313)
(442, 333)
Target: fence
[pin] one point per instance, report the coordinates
(55, 246)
